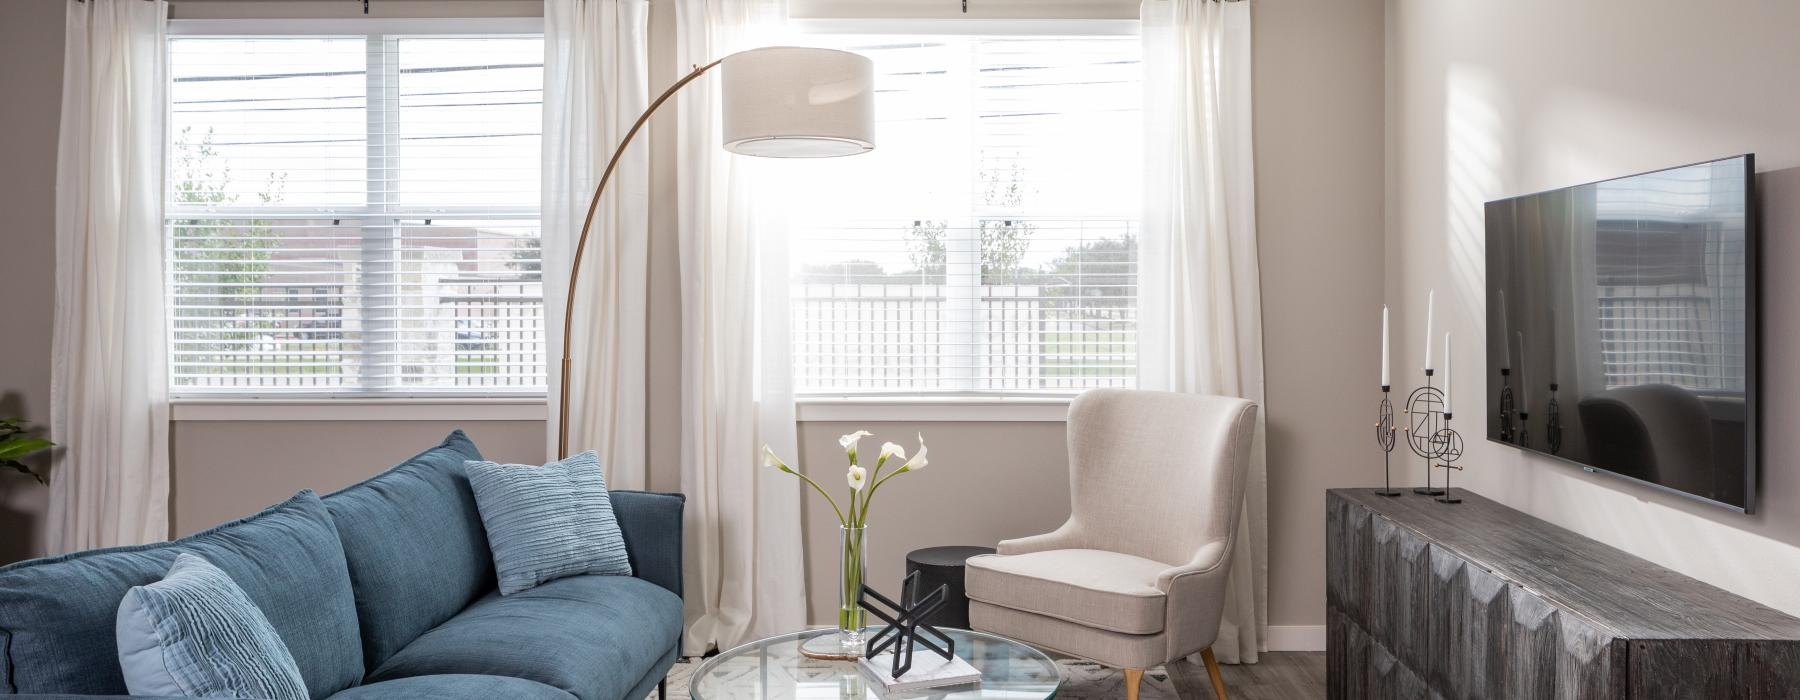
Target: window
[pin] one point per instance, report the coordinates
(355, 215)
(989, 243)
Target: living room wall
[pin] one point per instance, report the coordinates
(1319, 151)
(1487, 100)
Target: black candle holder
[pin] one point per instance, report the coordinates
(1424, 418)
(1506, 405)
(1384, 438)
(1553, 430)
(1450, 449)
(1523, 437)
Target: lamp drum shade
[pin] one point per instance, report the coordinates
(792, 102)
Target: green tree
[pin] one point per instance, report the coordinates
(1101, 274)
(925, 250)
(1004, 242)
(217, 264)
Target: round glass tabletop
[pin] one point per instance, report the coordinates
(773, 669)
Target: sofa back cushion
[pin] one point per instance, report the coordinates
(415, 545)
(57, 614)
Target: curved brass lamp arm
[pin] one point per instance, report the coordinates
(562, 412)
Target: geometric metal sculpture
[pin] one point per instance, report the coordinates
(1384, 438)
(1424, 419)
(903, 625)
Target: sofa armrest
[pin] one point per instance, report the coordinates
(651, 523)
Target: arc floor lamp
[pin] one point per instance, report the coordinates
(776, 102)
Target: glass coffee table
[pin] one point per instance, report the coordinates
(773, 669)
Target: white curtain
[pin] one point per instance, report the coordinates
(109, 387)
(1200, 323)
(744, 569)
(596, 77)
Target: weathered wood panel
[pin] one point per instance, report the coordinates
(1480, 601)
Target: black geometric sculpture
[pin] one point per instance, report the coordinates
(903, 624)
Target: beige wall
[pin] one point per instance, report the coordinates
(1319, 155)
(229, 469)
(31, 45)
(1487, 100)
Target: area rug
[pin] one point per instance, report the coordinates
(1082, 680)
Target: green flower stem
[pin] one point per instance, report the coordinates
(871, 497)
(828, 498)
(850, 615)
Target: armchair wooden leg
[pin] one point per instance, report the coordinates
(1133, 676)
(1212, 669)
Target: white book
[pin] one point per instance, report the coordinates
(928, 671)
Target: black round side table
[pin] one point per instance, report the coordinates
(944, 566)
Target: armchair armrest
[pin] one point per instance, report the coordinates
(1196, 599)
(1064, 537)
(651, 524)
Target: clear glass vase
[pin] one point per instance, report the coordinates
(851, 617)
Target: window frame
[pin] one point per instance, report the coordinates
(947, 406)
(197, 404)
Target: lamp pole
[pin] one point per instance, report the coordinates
(587, 225)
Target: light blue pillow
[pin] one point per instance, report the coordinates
(545, 523)
(196, 634)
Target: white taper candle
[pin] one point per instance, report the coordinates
(1384, 345)
(1447, 373)
(1430, 304)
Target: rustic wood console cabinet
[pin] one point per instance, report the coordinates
(1477, 600)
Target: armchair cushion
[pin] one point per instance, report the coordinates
(1115, 649)
(1090, 587)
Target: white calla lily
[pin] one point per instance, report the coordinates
(770, 460)
(918, 461)
(849, 443)
(889, 449)
(857, 477)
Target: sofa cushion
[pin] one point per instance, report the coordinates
(57, 614)
(196, 634)
(455, 687)
(594, 636)
(549, 522)
(414, 542)
(1091, 587)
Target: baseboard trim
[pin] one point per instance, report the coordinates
(1297, 638)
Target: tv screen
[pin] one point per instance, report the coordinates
(1621, 327)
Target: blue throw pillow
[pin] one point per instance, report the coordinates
(196, 634)
(545, 523)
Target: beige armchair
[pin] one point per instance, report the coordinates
(1136, 577)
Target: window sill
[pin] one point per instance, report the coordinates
(357, 409)
(932, 409)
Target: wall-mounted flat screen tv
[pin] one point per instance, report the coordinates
(1621, 327)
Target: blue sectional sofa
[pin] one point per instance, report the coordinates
(382, 590)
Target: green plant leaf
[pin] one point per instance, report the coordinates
(19, 447)
(20, 467)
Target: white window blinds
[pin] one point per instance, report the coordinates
(355, 214)
(988, 245)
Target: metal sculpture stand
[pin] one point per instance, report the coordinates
(1553, 423)
(1424, 418)
(903, 624)
(1506, 405)
(1384, 438)
(1450, 449)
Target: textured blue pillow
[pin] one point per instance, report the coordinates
(196, 634)
(544, 523)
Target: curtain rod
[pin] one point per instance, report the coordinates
(365, 4)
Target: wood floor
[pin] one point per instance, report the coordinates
(1277, 676)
